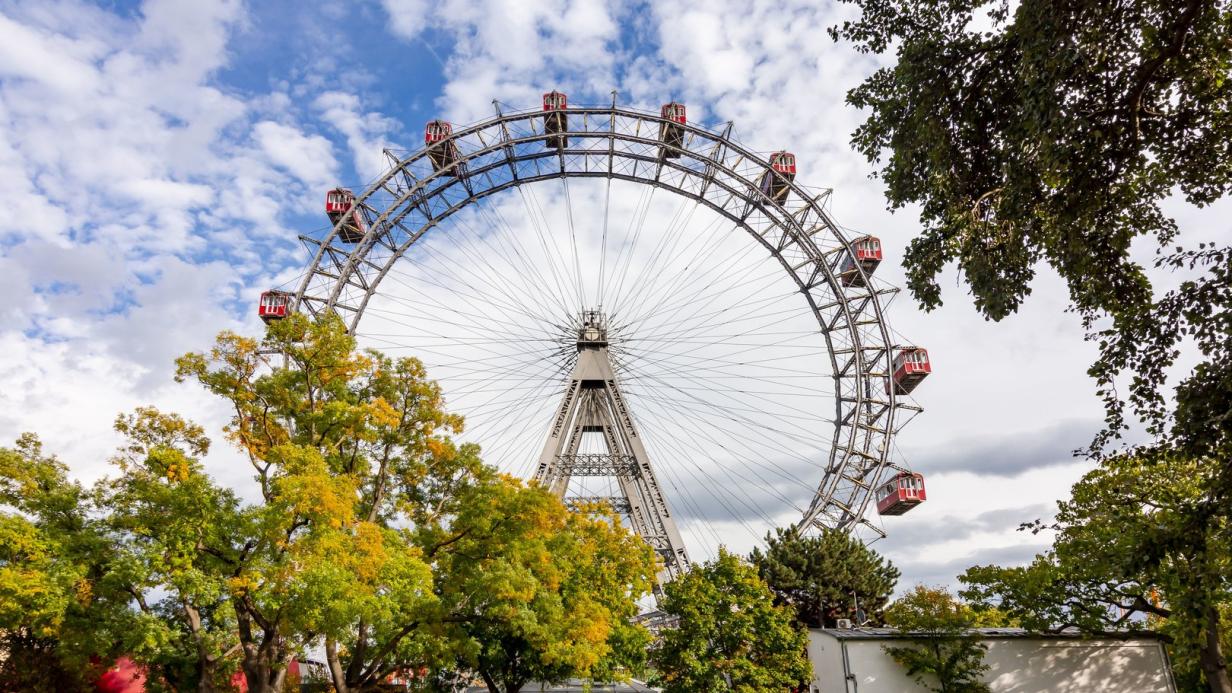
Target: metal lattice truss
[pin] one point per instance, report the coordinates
(593, 403)
(708, 167)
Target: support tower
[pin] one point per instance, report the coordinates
(593, 403)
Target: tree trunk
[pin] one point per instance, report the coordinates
(1210, 654)
(205, 684)
(335, 666)
(207, 663)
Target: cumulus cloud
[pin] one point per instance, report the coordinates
(309, 158)
(144, 198)
(512, 51)
(367, 133)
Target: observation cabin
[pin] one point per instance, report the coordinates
(901, 493)
(556, 119)
(274, 305)
(442, 150)
(671, 130)
(776, 182)
(865, 254)
(338, 202)
(911, 366)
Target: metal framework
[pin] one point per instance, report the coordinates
(706, 166)
(593, 403)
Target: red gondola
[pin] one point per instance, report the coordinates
(274, 305)
(337, 203)
(911, 366)
(671, 132)
(438, 138)
(901, 493)
(775, 182)
(866, 252)
(555, 119)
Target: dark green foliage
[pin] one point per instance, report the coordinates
(1051, 134)
(1049, 131)
(945, 657)
(730, 635)
(1134, 549)
(34, 665)
(823, 577)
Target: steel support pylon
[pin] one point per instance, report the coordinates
(593, 403)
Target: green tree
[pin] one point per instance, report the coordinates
(729, 635)
(946, 656)
(172, 531)
(366, 529)
(1044, 131)
(824, 577)
(1136, 547)
(1051, 132)
(348, 448)
(533, 592)
(44, 569)
(398, 549)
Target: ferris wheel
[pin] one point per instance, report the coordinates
(628, 306)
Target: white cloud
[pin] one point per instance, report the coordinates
(143, 200)
(512, 51)
(306, 157)
(366, 132)
(55, 61)
(408, 18)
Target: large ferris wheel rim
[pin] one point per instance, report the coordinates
(865, 420)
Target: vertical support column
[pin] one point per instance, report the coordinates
(592, 402)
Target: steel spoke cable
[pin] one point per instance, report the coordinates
(514, 347)
(573, 245)
(730, 345)
(699, 317)
(633, 230)
(636, 367)
(497, 299)
(690, 400)
(417, 320)
(752, 456)
(666, 236)
(658, 266)
(607, 204)
(537, 225)
(705, 478)
(477, 304)
(669, 239)
(512, 239)
(703, 249)
(573, 282)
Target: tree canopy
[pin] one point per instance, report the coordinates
(1052, 132)
(826, 576)
(1041, 132)
(946, 657)
(47, 560)
(1130, 552)
(367, 529)
(729, 635)
(533, 592)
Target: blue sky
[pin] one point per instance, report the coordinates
(159, 159)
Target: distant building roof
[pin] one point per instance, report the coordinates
(990, 633)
